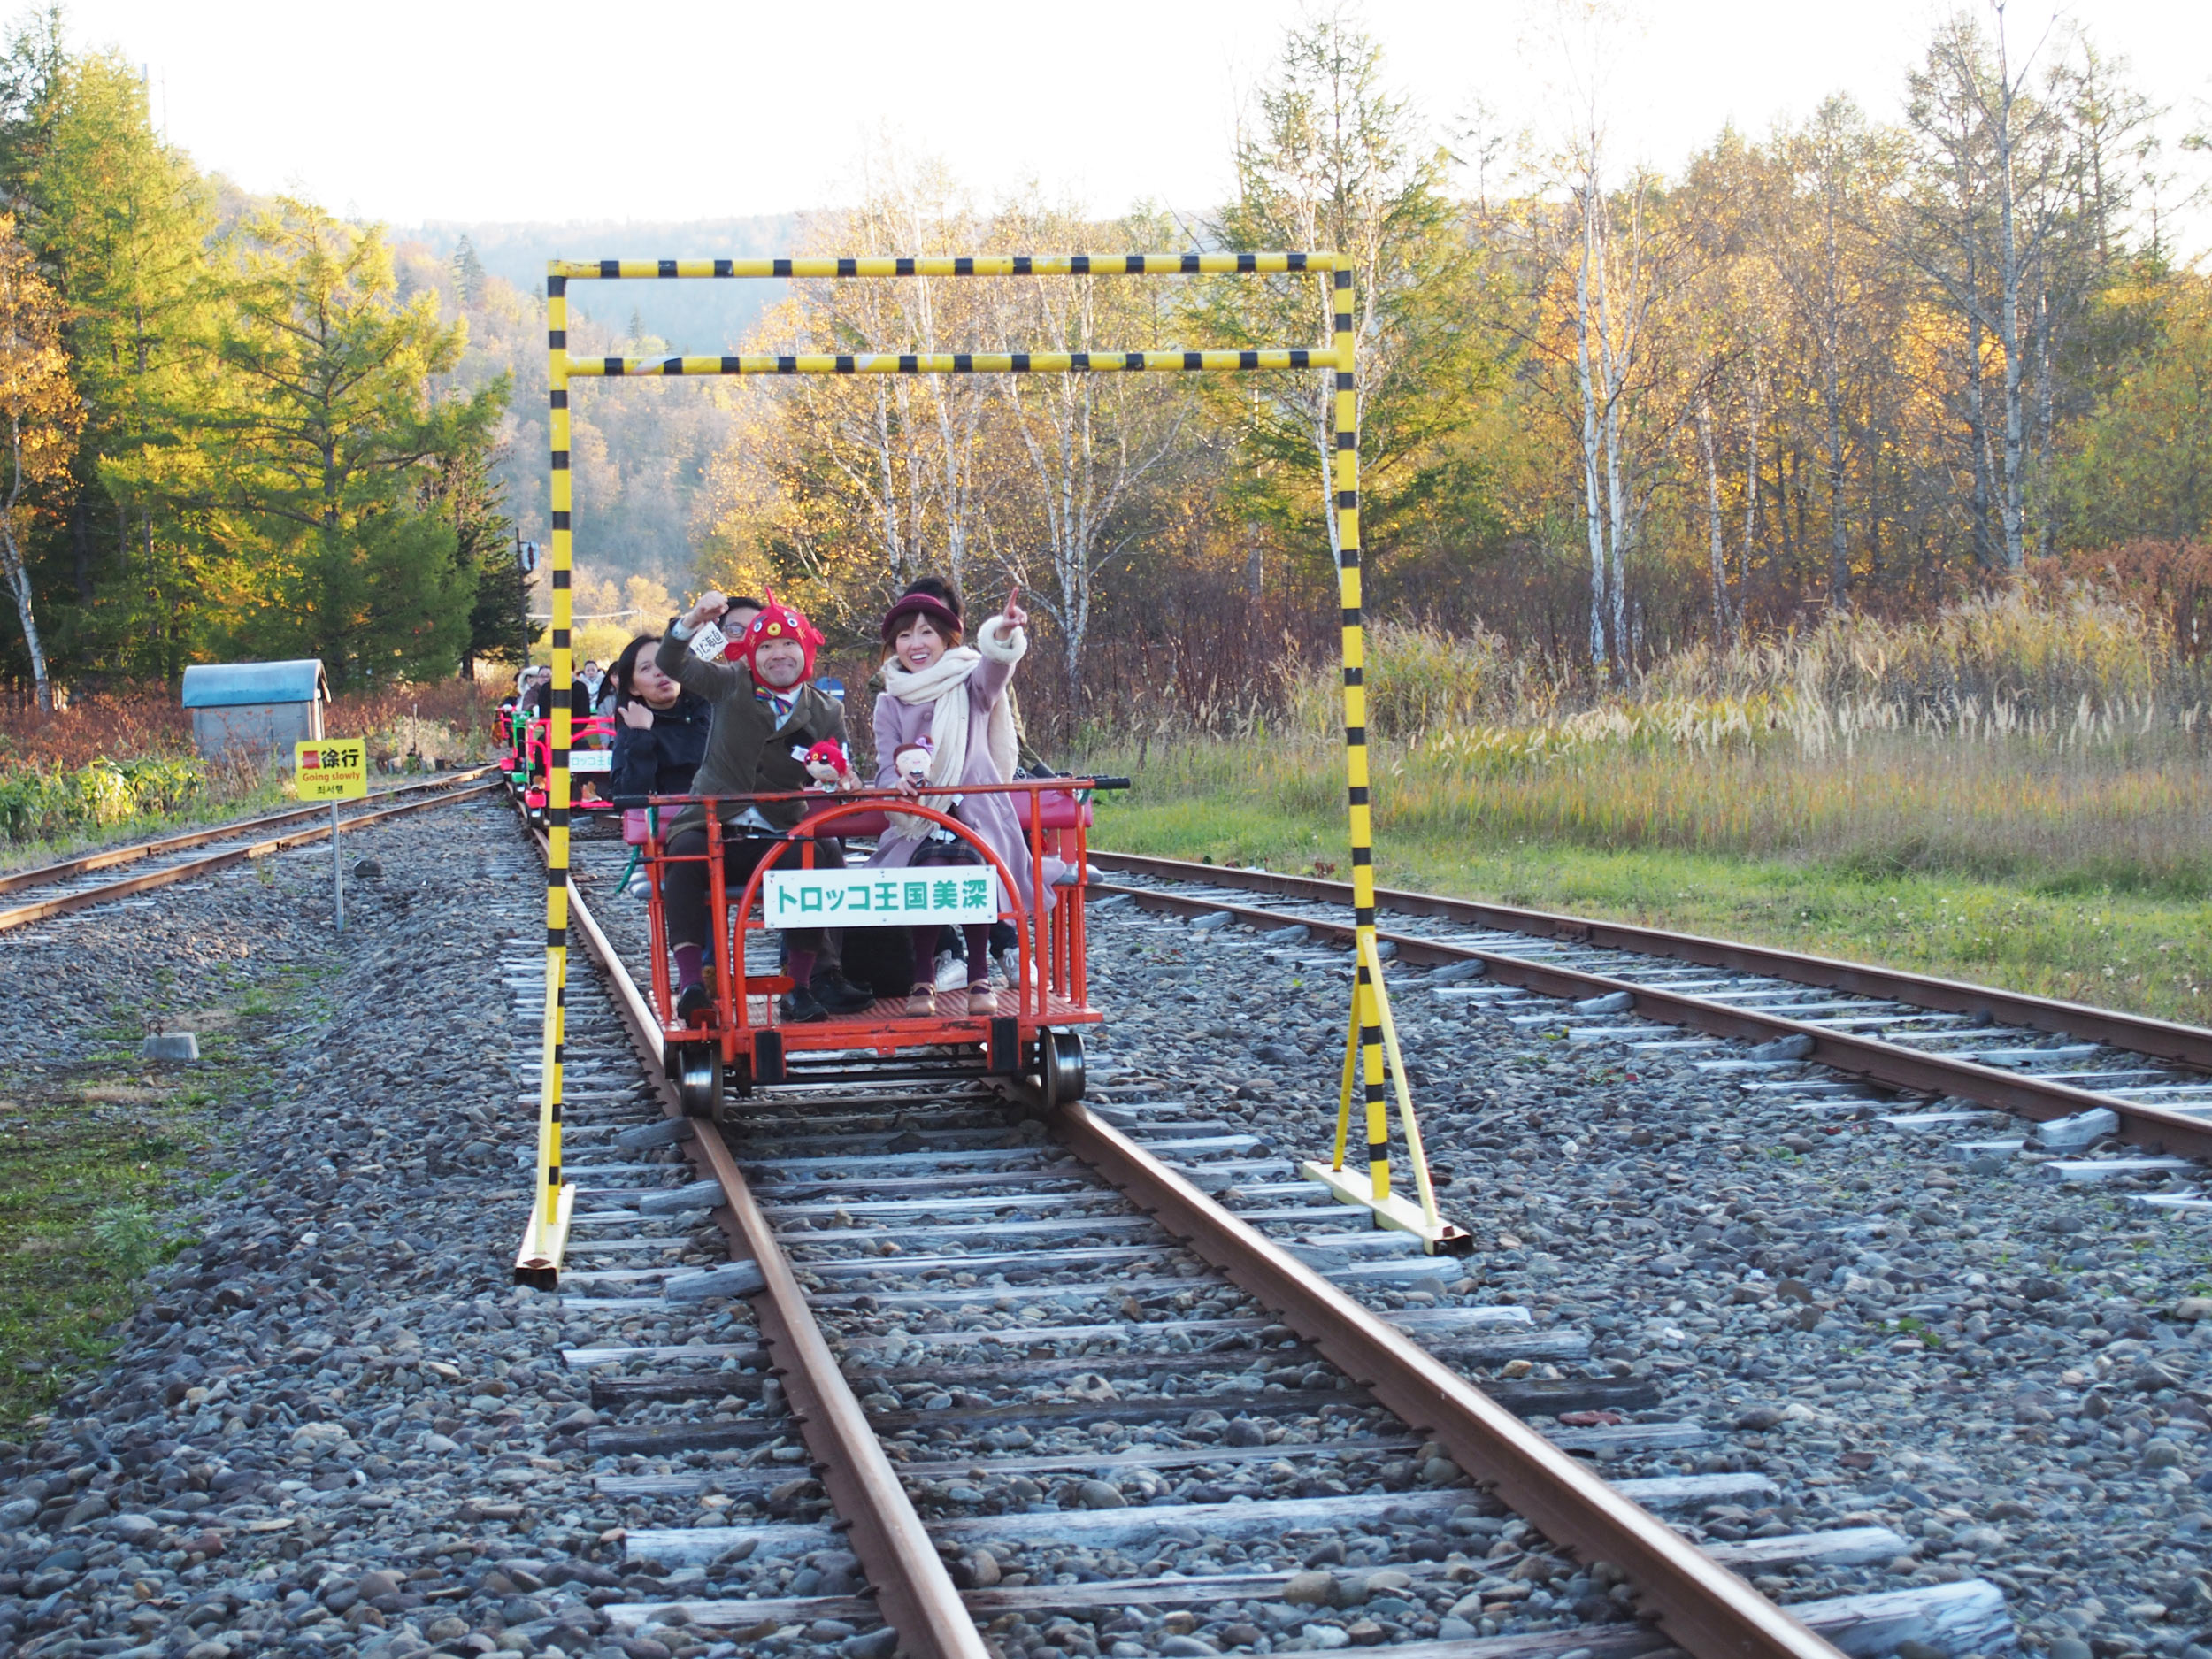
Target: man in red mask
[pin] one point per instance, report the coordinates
(766, 716)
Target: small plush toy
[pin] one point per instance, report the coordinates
(911, 761)
(826, 764)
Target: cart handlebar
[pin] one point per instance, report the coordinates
(1071, 785)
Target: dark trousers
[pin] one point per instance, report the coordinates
(684, 889)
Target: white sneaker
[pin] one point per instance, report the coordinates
(952, 972)
(1010, 967)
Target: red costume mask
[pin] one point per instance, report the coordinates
(779, 621)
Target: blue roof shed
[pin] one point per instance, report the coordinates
(261, 708)
(235, 684)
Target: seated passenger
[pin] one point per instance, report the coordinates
(953, 695)
(660, 732)
(765, 718)
(542, 698)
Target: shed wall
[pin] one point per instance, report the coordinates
(255, 727)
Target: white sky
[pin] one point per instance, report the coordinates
(410, 110)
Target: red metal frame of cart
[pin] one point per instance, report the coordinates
(1054, 992)
(537, 758)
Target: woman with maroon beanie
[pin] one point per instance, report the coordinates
(941, 691)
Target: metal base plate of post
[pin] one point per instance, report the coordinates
(1400, 1214)
(538, 1264)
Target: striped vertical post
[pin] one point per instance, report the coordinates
(545, 1240)
(1367, 990)
(1370, 1043)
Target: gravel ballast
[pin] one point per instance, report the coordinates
(334, 1426)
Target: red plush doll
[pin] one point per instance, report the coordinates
(826, 763)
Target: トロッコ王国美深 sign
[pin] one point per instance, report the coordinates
(823, 898)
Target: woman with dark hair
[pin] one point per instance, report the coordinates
(660, 733)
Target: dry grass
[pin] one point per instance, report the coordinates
(2057, 738)
(2016, 793)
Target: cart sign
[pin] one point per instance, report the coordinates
(817, 898)
(335, 768)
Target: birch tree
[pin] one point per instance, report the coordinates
(1983, 240)
(903, 448)
(1091, 443)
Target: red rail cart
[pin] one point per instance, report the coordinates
(744, 1044)
(588, 767)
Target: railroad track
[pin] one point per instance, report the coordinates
(78, 884)
(1113, 1380)
(1925, 1055)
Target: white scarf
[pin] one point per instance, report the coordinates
(944, 686)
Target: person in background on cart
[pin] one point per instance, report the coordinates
(738, 616)
(953, 694)
(542, 698)
(765, 718)
(594, 680)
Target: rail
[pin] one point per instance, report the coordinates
(2164, 1040)
(1707, 1610)
(41, 910)
(2152, 1127)
(107, 858)
(1701, 1605)
(912, 1586)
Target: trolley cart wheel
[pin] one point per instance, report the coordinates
(699, 1079)
(1059, 1068)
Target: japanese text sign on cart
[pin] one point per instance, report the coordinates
(817, 898)
(335, 769)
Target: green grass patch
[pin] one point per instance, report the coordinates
(92, 1162)
(232, 796)
(1993, 906)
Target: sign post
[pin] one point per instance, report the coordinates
(334, 770)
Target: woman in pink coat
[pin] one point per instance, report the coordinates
(950, 697)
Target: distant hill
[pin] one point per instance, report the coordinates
(641, 450)
(690, 316)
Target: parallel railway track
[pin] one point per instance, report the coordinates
(2088, 1074)
(79, 884)
(1107, 1379)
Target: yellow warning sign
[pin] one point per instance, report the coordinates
(335, 768)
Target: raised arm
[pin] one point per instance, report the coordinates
(711, 680)
(1002, 644)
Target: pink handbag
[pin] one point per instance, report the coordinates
(636, 824)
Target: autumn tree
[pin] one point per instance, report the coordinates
(41, 407)
(120, 220)
(1328, 156)
(1083, 447)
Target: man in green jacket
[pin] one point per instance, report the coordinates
(766, 716)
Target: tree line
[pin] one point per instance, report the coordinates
(231, 433)
(1604, 413)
